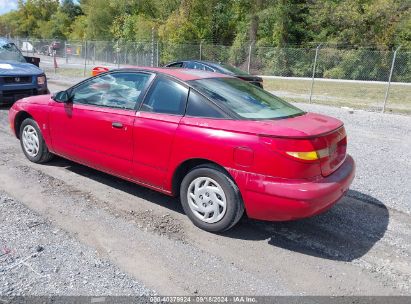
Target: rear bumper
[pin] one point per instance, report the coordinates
(274, 199)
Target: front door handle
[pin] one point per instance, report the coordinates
(117, 125)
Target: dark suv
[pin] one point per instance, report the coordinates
(19, 76)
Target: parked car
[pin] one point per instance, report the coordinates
(19, 76)
(220, 143)
(217, 67)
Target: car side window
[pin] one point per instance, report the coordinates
(176, 65)
(199, 106)
(115, 90)
(195, 65)
(208, 69)
(166, 96)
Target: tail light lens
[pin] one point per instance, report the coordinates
(328, 151)
(304, 150)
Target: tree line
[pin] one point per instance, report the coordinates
(357, 36)
(379, 24)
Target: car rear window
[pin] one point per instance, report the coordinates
(246, 100)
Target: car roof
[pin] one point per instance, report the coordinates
(209, 63)
(182, 74)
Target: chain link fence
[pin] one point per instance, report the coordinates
(358, 78)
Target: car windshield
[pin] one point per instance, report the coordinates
(10, 52)
(244, 99)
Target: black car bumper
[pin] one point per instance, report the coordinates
(8, 97)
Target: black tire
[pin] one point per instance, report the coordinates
(43, 155)
(234, 202)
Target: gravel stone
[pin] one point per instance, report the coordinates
(54, 268)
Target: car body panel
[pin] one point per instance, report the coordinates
(153, 140)
(275, 199)
(97, 143)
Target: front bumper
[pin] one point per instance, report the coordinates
(12, 90)
(274, 199)
(8, 97)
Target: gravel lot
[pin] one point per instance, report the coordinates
(38, 258)
(362, 246)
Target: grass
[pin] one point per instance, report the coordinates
(355, 95)
(68, 72)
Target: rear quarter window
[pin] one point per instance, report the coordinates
(198, 106)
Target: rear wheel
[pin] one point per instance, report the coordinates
(211, 199)
(32, 142)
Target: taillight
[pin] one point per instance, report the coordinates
(305, 150)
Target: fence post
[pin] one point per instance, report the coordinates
(152, 46)
(249, 58)
(65, 51)
(94, 53)
(314, 70)
(201, 49)
(387, 91)
(118, 54)
(85, 58)
(157, 55)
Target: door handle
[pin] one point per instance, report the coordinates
(117, 125)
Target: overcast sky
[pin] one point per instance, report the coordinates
(7, 5)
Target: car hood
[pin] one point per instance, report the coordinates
(303, 126)
(13, 68)
(39, 99)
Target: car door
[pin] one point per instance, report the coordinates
(96, 127)
(155, 127)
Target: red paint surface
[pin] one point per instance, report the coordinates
(150, 147)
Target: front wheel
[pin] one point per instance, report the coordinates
(211, 199)
(32, 142)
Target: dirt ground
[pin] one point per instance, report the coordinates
(362, 246)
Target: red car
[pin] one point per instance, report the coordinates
(220, 143)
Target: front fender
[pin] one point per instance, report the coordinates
(39, 112)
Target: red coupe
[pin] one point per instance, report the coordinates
(220, 143)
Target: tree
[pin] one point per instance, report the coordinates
(71, 9)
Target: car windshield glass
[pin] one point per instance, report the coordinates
(244, 99)
(229, 69)
(9, 52)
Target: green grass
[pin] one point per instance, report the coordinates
(69, 72)
(355, 95)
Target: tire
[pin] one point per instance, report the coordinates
(32, 142)
(205, 189)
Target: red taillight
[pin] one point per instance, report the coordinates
(305, 150)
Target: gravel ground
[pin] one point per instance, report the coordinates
(38, 258)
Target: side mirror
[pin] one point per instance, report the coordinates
(62, 96)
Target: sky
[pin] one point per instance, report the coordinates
(7, 5)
